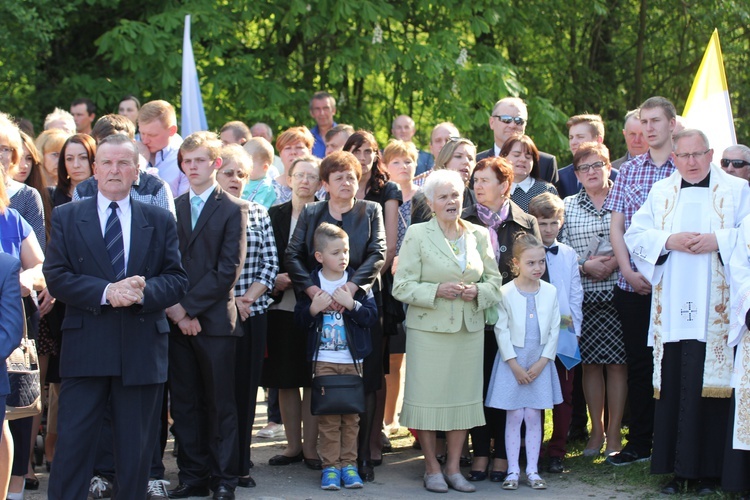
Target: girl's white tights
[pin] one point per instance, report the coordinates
(533, 419)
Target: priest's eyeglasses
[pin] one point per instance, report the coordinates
(598, 165)
(687, 156)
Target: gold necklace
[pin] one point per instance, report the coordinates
(454, 244)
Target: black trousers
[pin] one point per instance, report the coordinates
(105, 457)
(135, 422)
(689, 430)
(251, 348)
(635, 316)
(204, 408)
(494, 428)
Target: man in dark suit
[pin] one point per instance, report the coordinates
(211, 227)
(509, 117)
(581, 128)
(632, 130)
(115, 263)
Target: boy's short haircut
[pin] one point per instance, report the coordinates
(205, 139)
(341, 127)
(112, 124)
(260, 149)
(237, 154)
(158, 110)
(239, 130)
(659, 102)
(326, 233)
(399, 149)
(547, 206)
(595, 123)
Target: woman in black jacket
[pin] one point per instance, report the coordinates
(495, 210)
(363, 222)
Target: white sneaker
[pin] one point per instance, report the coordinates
(100, 487)
(157, 489)
(272, 430)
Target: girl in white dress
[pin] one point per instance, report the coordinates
(524, 380)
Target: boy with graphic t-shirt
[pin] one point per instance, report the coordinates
(338, 326)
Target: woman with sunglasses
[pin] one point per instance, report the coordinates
(523, 154)
(736, 161)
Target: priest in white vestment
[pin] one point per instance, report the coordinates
(680, 240)
(736, 477)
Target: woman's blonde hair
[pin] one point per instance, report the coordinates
(399, 149)
(9, 131)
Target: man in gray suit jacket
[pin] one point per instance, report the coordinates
(115, 263)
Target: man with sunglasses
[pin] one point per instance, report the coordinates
(509, 117)
(736, 161)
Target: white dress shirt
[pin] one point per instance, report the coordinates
(125, 216)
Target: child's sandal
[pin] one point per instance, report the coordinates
(536, 482)
(511, 481)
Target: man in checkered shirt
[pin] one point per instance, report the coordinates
(632, 296)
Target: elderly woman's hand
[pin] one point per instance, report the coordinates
(470, 292)
(450, 291)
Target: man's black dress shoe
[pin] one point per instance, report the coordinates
(284, 460)
(366, 470)
(186, 491)
(313, 463)
(673, 487)
(705, 487)
(555, 465)
(223, 492)
(246, 482)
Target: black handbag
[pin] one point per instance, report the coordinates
(337, 394)
(24, 399)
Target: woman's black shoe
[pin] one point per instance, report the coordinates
(477, 475)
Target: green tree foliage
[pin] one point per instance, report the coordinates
(435, 61)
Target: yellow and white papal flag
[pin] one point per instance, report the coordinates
(707, 107)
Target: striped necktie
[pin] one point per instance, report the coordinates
(113, 240)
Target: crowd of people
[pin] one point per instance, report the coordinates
(165, 279)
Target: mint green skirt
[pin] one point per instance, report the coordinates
(443, 387)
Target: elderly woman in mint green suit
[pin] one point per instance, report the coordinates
(448, 277)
